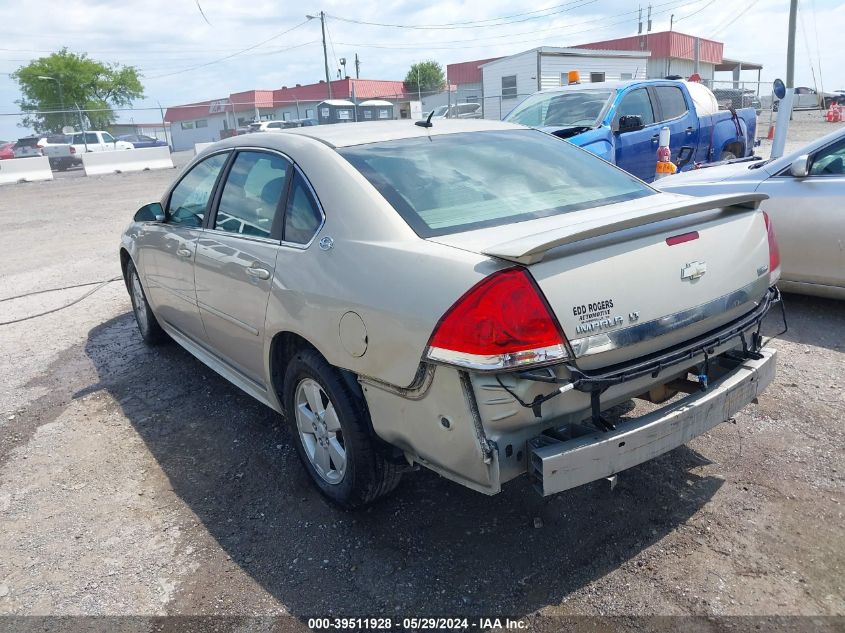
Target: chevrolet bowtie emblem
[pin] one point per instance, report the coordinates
(693, 270)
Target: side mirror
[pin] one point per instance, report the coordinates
(630, 123)
(800, 167)
(152, 212)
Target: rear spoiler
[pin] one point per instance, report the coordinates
(531, 249)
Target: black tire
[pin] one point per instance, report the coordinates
(148, 325)
(366, 475)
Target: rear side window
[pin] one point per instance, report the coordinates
(189, 199)
(303, 216)
(672, 102)
(450, 183)
(252, 193)
(636, 102)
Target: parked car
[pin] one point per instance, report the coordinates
(142, 140)
(470, 296)
(62, 156)
(805, 190)
(31, 146)
(805, 99)
(268, 126)
(737, 98)
(7, 150)
(621, 122)
(456, 111)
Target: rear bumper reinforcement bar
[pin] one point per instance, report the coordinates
(560, 465)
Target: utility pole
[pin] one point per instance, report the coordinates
(419, 88)
(357, 67)
(325, 50)
(790, 46)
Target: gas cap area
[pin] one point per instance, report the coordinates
(353, 334)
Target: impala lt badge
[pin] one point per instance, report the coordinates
(693, 270)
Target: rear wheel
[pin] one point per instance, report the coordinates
(148, 325)
(332, 434)
(726, 155)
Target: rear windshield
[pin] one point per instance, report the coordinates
(451, 183)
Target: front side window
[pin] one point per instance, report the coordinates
(252, 193)
(189, 200)
(829, 161)
(636, 102)
(108, 138)
(672, 102)
(450, 183)
(571, 107)
(509, 87)
(302, 217)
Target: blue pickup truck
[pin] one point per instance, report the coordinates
(621, 121)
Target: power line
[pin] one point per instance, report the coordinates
(230, 56)
(560, 31)
(479, 24)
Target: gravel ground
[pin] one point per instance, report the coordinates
(136, 481)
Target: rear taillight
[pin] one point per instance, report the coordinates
(774, 251)
(500, 323)
(40, 145)
(72, 149)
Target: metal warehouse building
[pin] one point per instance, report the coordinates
(508, 80)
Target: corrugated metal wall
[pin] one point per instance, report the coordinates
(552, 66)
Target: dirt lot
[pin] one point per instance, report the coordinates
(136, 481)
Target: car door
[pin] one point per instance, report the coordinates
(809, 219)
(236, 258)
(166, 250)
(636, 151)
(676, 115)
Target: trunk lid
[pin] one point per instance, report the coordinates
(631, 279)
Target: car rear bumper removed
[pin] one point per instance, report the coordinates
(557, 465)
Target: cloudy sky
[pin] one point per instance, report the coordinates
(191, 50)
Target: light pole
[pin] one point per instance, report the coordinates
(61, 96)
(325, 51)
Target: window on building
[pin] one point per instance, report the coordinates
(202, 123)
(671, 102)
(596, 78)
(368, 114)
(626, 76)
(509, 87)
(309, 113)
(285, 116)
(187, 125)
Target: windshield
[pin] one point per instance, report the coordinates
(443, 184)
(562, 109)
(441, 110)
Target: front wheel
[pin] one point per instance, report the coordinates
(148, 325)
(727, 156)
(331, 430)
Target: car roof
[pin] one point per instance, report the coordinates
(348, 134)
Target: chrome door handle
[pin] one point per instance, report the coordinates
(260, 273)
(184, 252)
(655, 138)
(689, 130)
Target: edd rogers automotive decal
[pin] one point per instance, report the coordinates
(596, 316)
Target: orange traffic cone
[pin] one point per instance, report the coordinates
(771, 135)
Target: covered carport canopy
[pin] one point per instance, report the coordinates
(735, 66)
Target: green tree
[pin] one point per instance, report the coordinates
(425, 77)
(71, 80)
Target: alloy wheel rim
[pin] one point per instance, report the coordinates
(320, 431)
(139, 303)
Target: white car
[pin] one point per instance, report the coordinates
(806, 190)
(269, 126)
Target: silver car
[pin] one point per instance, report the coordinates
(805, 189)
(469, 296)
